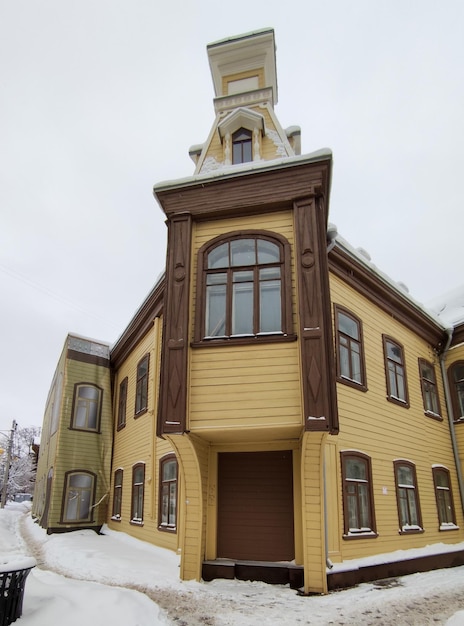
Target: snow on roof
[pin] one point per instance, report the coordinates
(449, 307)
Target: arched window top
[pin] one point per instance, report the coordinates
(456, 381)
(244, 284)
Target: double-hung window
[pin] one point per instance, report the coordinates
(407, 497)
(395, 370)
(429, 388)
(117, 494)
(138, 484)
(350, 350)
(141, 389)
(168, 493)
(86, 407)
(456, 381)
(122, 404)
(444, 498)
(242, 146)
(358, 500)
(78, 498)
(244, 288)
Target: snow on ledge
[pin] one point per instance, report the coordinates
(15, 562)
(398, 555)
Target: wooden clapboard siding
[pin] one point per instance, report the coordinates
(385, 431)
(455, 354)
(245, 387)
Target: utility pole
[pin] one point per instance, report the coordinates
(6, 473)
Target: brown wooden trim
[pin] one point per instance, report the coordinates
(241, 192)
(370, 285)
(167, 457)
(63, 498)
(362, 386)
(458, 335)
(172, 407)
(144, 409)
(140, 325)
(91, 359)
(243, 341)
(428, 412)
(95, 431)
(441, 468)
(134, 469)
(315, 319)
(452, 387)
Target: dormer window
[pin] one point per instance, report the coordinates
(241, 146)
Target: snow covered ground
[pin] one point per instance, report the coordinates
(84, 578)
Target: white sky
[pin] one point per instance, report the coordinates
(107, 570)
(100, 100)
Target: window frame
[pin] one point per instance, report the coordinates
(167, 527)
(407, 529)
(248, 142)
(454, 392)
(444, 524)
(137, 488)
(141, 387)
(75, 407)
(391, 397)
(117, 494)
(286, 332)
(429, 386)
(352, 382)
(91, 490)
(122, 404)
(365, 532)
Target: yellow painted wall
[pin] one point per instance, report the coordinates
(137, 443)
(385, 431)
(453, 355)
(244, 386)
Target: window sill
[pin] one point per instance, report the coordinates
(140, 413)
(115, 518)
(398, 401)
(413, 530)
(448, 526)
(459, 420)
(370, 534)
(243, 340)
(121, 426)
(168, 529)
(352, 383)
(137, 522)
(433, 416)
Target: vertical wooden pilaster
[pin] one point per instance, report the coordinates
(315, 332)
(172, 406)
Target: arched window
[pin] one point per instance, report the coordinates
(407, 496)
(358, 499)
(429, 388)
(141, 390)
(444, 498)
(456, 381)
(87, 403)
(167, 515)
(138, 485)
(78, 496)
(395, 370)
(117, 494)
(243, 282)
(350, 348)
(242, 146)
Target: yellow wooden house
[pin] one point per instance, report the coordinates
(279, 406)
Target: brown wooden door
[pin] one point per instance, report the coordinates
(255, 506)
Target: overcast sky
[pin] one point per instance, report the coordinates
(101, 99)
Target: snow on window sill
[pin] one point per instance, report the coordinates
(411, 528)
(116, 518)
(434, 415)
(449, 526)
(361, 533)
(137, 521)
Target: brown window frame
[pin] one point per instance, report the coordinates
(122, 403)
(75, 407)
(66, 487)
(391, 397)
(141, 387)
(135, 493)
(429, 389)
(454, 392)
(407, 528)
(286, 332)
(167, 526)
(117, 495)
(444, 524)
(340, 338)
(240, 146)
(362, 532)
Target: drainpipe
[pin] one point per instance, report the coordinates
(449, 407)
